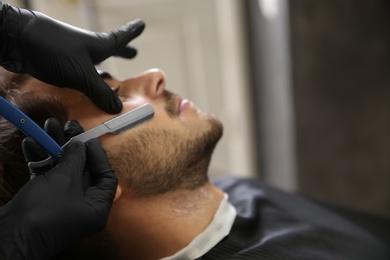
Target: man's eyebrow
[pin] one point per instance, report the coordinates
(105, 75)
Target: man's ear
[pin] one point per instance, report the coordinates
(118, 191)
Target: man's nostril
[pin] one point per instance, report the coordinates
(159, 85)
(115, 89)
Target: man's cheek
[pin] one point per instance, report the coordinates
(133, 102)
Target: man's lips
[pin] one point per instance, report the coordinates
(183, 105)
(179, 101)
(179, 105)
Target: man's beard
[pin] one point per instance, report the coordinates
(159, 160)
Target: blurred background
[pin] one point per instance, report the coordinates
(302, 86)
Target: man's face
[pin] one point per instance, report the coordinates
(171, 151)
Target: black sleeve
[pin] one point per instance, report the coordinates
(272, 224)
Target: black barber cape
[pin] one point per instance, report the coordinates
(272, 224)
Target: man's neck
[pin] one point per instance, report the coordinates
(159, 226)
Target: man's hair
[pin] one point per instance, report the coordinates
(14, 172)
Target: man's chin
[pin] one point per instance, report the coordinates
(215, 132)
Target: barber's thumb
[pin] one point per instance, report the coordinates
(72, 128)
(104, 181)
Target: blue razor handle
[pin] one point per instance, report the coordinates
(30, 128)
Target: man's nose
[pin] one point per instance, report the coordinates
(154, 82)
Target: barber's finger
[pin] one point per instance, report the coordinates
(115, 40)
(103, 178)
(32, 151)
(127, 52)
(100, 93)
(128, 32)
(54, 128)
(72, 128)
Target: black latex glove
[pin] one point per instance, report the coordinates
(61, 54)
(54, 210)
(34, 153)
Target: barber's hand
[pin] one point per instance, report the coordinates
(54, 209)
(33, 151)
(61, 54)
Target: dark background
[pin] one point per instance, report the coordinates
(341, 81)
(340, 68)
